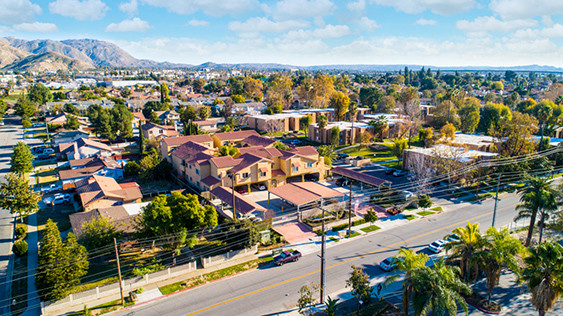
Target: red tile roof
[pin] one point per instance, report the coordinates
(247, 160)
(261, 151)
(176, 141)
(236, 135)
(242, 204)
(210, 181)
(225, 161)
(256, 140)
(189, 149)
(359, 176)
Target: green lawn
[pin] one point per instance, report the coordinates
(409, 217)
(354, 234)
(368, 152)
(370, 229)
(394, 164)
(333, 239)
(425, 213)
(46, 176)
(437, 209)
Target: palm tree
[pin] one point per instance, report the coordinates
(438, 290)
(535, 197)
(408, 261)
(379, 125)
(470, 243)
(353, 111)
(500, 250)
(544, 275)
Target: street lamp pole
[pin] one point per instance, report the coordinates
(496, 201)
(323, 259)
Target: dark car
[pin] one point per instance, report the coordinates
(341, 182)
(39, 150)
(286, 257)
(311, 177)
(390, 171)
(44, 157)
(342, 156)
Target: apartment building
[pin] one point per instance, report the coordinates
(232, 138)
(168, 144)
(347, 132)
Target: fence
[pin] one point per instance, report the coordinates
(237, 254)
(87, 297)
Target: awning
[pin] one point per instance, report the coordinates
(300, 193)
(296, 164)
(264, 169)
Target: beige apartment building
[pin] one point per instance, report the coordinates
(168, 144)
(346, 132)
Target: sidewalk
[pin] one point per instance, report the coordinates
(33, 304)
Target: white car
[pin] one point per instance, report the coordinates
(57, 199)
(452, 238)
(437, 246)
(388, 264)
(51, 188)
(48, 151)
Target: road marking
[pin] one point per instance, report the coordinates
(340, 263)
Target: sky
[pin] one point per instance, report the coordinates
(304, 32)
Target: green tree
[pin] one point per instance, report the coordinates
(537, 196)
(370, 97)
(491, 116)
(237, 98)
(500, 249)
(3, 109)
(323, 121)
(72, 122)
(61, 264)
(164, 97)
(424, 201)
(335, 135)
(469, 115)
(371, 216)
(379, 126)
(445, 113)
(514, 136)
(448, 131)
(71, 109)
(26, 123)
(306, 298)
(387, 104)
(359, 282)
(544, 111)
(399, 146)
(25, 108)
(408, 261)
(340, 102)
(20, 248)
(280, 145)
(203, 112)
(426, 136)
(331, 306)
(22, 158)
(98, 232)
(228, 150)
(304, 123)
(121, 119)
(17, 196)
(470, 243)
(39, 94)
(544, 275)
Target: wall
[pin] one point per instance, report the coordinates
(215, 260)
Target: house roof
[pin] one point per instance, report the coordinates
(97, 187)
(261, 151)
(236, 135)
(87, 142)
(210, 181)
(225, 161)
(304, 152)
(189, 149)
(139, 115)
(68, 133)
(199, 158)
(300, 193)
(359, 176)
(247, 160)
(242, 204)
(256, 140)
(205, 122)
(175, 141)
(150, 125)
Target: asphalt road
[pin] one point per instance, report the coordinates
(10, 134)
(270, 290)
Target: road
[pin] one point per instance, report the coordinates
(10, 133)
(272, 290)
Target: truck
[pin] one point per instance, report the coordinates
(286, 257)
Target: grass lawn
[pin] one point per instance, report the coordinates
(368, 152)
(104, 308)
(59, 215)
(211, 276)
(370, 229)
(409, 217)
(437, 209)
(46, 176)
(410, 208)
(354, 234)
(425, 213)
(333, 239)
(394, 164)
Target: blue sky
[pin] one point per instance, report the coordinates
(305, 32)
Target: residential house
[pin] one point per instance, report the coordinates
(121, 216)
(138, 119)
(66, 136)
(83, 168)
(168, 117)
(83, 148)
(60, 119)
(157, 131)
(168, 144)
(347, 132)
(209, 126)
(97, 192)
(231, 138)
(254, 140)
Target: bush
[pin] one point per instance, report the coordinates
(424, 201)
(21, 231)
(358, 222)
(345, 225)
(140, 290)
(20, 248)
(26, 123)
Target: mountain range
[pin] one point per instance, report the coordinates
(84, 54)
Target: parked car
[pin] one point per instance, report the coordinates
(453, 238)
(390, 171)
(286, 257)
(44, 157)
(36, 125)
(241, 191)
(342, 156)
(259, 187)
(57, 199)
(39, 150)
(48, 151)
(437, 246)
(311, 177)
(341, 182)
(51, 188)
(400, 173)
(388, 264)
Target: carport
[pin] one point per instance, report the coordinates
(360, 177)
(243, 205)
(303, 193)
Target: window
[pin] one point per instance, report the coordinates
(309, 165)
(295, 169)
(262, 174)
(245, 175)
(161, 131)
(197, 171)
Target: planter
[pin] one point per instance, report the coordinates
(480, 303)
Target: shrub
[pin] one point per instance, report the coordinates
(358, 222)
(20, 248)
(26, 123)
(140, 290)
(424, 201)
(339, 227)
(21, 231)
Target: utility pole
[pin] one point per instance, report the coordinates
(323, 259)
(350, 212)
(119, 272)
(496, 201)
(233, 177)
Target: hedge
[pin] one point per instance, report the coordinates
(345, 225)
(19, 248)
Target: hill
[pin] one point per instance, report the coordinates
(48, 62)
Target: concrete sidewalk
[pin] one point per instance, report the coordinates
(33, 303)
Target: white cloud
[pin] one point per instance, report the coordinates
(520, 9)
(85, 10)
(425, 22)
(129, 7)
(368, 23)
(257, 25)
(554, 31)
(194, 22)
(329, 31)
(18, 11)
(489, 23)
(289, 9)
(546, 20)
(359, 5)
(211, 7)
(132, 25)
(443, 7)
(37, 27)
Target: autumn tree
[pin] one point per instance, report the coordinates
(340, 102)
(448, 131)
(513, 137)
(164, 97)
(446, 113)
(409, 106)
(253, 88)
(387, 104)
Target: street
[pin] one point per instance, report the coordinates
(271, 289)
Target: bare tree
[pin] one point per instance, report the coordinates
(273, 126)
